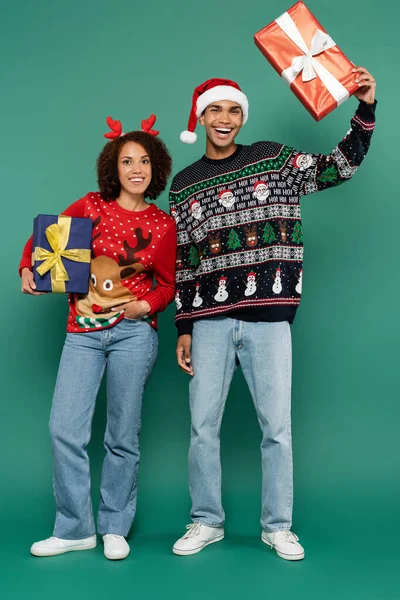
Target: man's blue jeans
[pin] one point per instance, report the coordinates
(265, 355)
(127, 352)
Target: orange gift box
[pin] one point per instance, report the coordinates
(302, 52)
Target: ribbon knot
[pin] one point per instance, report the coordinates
(305, 63)
(57, 235)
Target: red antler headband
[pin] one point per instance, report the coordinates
(116, 127)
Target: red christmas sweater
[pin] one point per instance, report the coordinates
(129, 248)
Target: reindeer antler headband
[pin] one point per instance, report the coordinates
(116, 127)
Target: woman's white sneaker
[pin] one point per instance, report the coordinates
(115, 546)
(196, 538)
(54, 545)
(285, 543)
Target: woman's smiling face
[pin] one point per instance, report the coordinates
(134, 168)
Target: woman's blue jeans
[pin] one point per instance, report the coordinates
(127, 352)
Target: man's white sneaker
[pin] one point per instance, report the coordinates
(285, 543)
(54, 545)
(196, 538)
(115, 546)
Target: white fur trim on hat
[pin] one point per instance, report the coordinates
(222, 92)
(188, 137)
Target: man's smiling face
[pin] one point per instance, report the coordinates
(222, 121)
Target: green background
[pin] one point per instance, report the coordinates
(65, 67)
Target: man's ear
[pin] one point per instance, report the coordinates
(201, 120)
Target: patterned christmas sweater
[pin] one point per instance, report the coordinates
(129, 248)
(240, 238)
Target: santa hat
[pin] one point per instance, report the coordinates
(224, 193)
(296, 161)
(222, 279)
(258, 184)
(251, 275)
(208, 92)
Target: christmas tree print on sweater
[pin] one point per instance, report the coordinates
(297, 234)
(268, 234)
(248, 220)
(234, 240)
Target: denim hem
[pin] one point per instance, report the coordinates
(207, 523)
(73, 539)
(269, 530)
(112, 531)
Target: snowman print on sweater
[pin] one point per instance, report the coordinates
(178, 301)
(251, 286)
(198, 300)
(222, 293)
(277, 287)
(299, 286)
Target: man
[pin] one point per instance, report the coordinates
(240, 249)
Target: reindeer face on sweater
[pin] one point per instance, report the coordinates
(107, 278)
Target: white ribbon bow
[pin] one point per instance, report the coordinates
(306, 63)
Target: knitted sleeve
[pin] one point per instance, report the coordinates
(77, 209)
(187, 261)
(164, 272)
(316, 172)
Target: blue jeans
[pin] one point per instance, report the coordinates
(265, 355)
(127, 352)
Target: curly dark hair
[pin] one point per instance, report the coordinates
(107, 165)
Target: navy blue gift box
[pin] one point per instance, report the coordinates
(61, 254)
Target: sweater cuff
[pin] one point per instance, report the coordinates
(367, 111)
(185, 327)
(25, 263)
(152, 299)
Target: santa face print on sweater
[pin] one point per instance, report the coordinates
(226, 198)
(302, 161)
(196, 209)
(174, 215)
(261, 191)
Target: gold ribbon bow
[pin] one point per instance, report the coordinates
(57, 235)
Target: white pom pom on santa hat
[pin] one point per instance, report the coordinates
(213, 90)
(188, 137)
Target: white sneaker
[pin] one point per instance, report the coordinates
(54, 545)
(285, 543)
(196, 538)
(115, 546)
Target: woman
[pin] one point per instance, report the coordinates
(112, 328)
